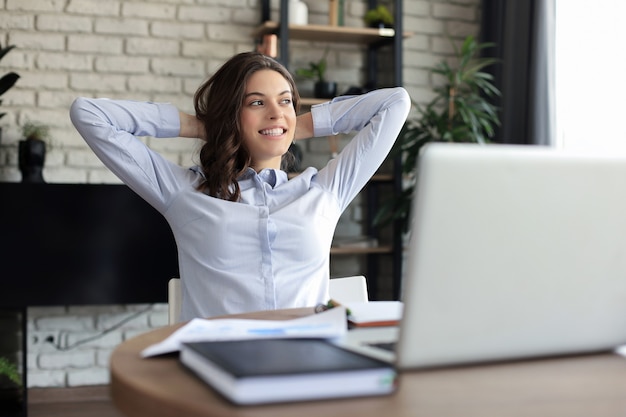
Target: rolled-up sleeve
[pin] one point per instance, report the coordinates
(377, 117)
(111, 129)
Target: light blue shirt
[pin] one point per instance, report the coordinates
(271, 249)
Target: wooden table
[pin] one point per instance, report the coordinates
(575, 386)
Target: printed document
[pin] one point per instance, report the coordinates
(329, 324)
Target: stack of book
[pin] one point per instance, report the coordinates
(285, 370)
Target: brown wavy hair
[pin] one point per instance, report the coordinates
(218, 103)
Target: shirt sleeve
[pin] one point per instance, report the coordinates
(377, 117)
(111, 129)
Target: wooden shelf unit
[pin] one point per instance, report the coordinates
(309, 101)
(324, 33)
(349, 250)
(373, 39)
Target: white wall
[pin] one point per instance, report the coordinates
(157, 50)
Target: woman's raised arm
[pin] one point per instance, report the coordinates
(191, 126)
(304, 126)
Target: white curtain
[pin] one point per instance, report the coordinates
(591, 65)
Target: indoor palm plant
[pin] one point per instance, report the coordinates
(461, 111)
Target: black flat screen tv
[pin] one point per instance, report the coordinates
(82, 244)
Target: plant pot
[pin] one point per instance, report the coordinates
(380, 25)
(325, 89)
(12, 402)
(32, 155)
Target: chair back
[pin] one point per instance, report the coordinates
(343, 290)
(349, 289)
(174, 300)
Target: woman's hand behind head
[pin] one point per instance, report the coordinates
(191, 127)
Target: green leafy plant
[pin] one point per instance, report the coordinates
(8, 80)
(377, 16)
(316, 70)
(461, 111)
(36, 131)
(9, 369)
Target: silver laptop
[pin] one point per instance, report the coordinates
(515, 252)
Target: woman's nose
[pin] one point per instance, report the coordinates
(275, 111)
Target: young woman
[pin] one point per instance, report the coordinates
(248, 237)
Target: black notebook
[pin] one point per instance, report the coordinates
(284, 370)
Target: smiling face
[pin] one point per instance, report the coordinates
(268, 118)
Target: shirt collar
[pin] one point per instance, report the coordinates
(273, 177)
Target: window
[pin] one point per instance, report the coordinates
(591, 75)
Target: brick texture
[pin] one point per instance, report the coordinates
(161, 51)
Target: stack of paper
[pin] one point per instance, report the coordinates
(375, 313)
(331, 323)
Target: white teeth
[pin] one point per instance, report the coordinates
(272, 132)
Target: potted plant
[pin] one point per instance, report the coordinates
(380, 17)
(8, 80)
(11, 384)
(461, 111)
(11, 392)
(317, 72)
(32, 151)
(9, 374)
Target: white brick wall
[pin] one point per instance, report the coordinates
(70, 346)
(158, 50)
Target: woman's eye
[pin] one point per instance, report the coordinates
(256, 103)
(286, 101)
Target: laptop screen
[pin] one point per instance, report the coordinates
(515, 251)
